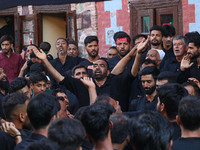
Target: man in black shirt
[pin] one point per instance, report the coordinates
(189, 120)
(149, 100)
(42, 109)
(170, 95)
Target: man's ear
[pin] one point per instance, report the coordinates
(22, 117)
(178, 120)
(110, 125)
(108, 72)
(162, 107)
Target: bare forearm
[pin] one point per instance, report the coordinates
(136, 65)
(92, 94)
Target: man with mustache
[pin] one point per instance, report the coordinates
(4, 86)
(122, 41)
(149, 100)
(11, 62)
(191, 62)
(92, 48)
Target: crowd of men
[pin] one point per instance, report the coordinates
(144, 98)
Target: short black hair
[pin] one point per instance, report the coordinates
(151, 131)
(41, 109)
(37, 67)
(112, 47)
(170, 95)
(150, 70)
(96, 121)
(17, 84)
(72, 42)
(90, 39)
(193, 37)
(121, 126)
(35, 77)
(196, 88)
(105, 60)
(77, 67)
(7, 38)
(67, 133)
(58, 90)
(138, 36)
(171, 77)
(121, 34)
(45, 46)
(10, 103)
(149, 61)
(159, 28)
(189, 112)
(168, 30)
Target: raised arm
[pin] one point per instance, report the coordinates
(88, 82)
(142, 46)
(41, 55)
(119, 68)
(185, 63)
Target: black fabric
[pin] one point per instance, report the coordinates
(168, 54)
(32, 138)
(142, 103)
(88, 65)
(6, 141)
(73, 102)
(10, 3)
(1, 108)
(176, 131)
(70, 62)
(25, 133)
(186, 144)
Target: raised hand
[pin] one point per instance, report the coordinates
(194, 80)
(88, 82)
(142, 46)
(40, 54)
(185, 63)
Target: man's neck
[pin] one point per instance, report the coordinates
(167, 47)
(106, 144)
(62, 58)
(100, 82)
(179, 58)
(188, 133)
(151, 97)
(92, 60)
(43, 132)
(156, 47)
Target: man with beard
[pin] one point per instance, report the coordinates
(149, 100)
(122, 41)
(101, 77)
(15, 106)
(156, 35)
(10, 62)
(92, 48)
(4, 86)
(191, 62)
(63, 62)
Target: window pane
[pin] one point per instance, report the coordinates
(146, 24)
(167, 19)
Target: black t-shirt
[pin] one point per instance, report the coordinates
(186, 144)
(6, 141)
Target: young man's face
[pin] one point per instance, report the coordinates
(168, 41)
(92, 49)
(64, 104)
(156, 37)
(112, 52)
(123, 47)
(80, 73)
(6, 47)
(148, 83)
(193, 51)
(38, 87)
(25, 90)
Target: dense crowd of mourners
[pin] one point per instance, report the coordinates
(144, 97)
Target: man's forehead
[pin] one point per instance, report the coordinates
(100, 62)
(146, 77)
(1, 70)
(61, 40)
